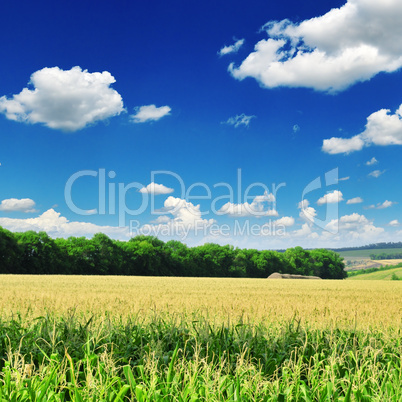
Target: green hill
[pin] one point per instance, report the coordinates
(379, 275)
(366, 253)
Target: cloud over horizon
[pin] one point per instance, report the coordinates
(56, 225)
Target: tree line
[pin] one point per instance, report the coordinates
(371, 246)
(37, 253)
(386, 256)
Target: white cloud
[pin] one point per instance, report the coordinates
(382, 128)
(156, 189)
(232, 48)
(186, 217)
(285, 221)
(296, 128)
(147, 113)
(18, 205)
(381, 205)
(372, 161)
(307, 213)
(239, 120)
(304, 231)
(67, 100)
(356, 200)
(331, 198)
(266, 197)
(376, 173)
(328, 53)
(394, 222)
(344, 178)
(385, 204)
(256, 208)
(185, 212)
(355, 227)
(342, 145)
(56, 225)
(161, 219)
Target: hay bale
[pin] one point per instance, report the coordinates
(277, 275)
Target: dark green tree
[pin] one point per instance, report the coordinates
(10, 253)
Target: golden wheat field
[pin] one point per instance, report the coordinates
(324, 303)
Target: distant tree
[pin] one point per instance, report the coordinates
(39, 253)
(9, 253)
(179, 257)
(79, 253)
(299, 261)
(106, 255)
(327, 264)
(269, 262)
(213, 260)
(150, 255)
(244, 264)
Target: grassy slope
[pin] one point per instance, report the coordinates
(380, 275)
(366, 253)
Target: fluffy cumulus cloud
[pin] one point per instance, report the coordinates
(147, 113)
(258, 207)
(337, 145)
(394, 222)
(186, 217)
(67, 100)
(331, 198)
(232, 48)
(356, 200)
(285, 221)
(156, 189)
(304, 232)
(307, 213)
(331, 52)
(239, 120)
(18, 205)
(382, 128)
(354, 228)
(58, 226)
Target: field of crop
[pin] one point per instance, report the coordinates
(199, 339)
(366, 253)
(387, 275)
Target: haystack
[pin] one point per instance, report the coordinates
(277, 275)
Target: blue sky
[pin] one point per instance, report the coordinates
(278, 93)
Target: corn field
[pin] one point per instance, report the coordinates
(177, 339)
